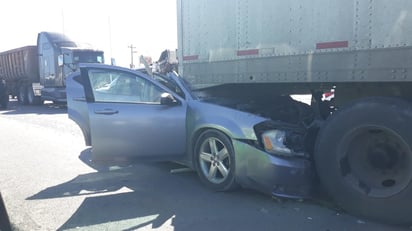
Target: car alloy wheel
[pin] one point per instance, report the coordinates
(215, 160)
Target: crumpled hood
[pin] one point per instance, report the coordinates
(236, 124)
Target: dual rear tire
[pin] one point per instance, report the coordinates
(4, 95)
(22, 95)
(26, 96)
(363, 157)
(4, 101)
(31, 98)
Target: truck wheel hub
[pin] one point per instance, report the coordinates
(375, 161)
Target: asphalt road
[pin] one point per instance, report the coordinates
(48, 184)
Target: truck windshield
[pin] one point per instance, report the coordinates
(88, 57)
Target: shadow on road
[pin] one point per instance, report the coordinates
(15, 108)
(4, 217)
(156, 198)
(148, 196)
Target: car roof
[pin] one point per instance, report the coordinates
(101, 65)
(112, 67)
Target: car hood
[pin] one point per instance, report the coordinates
(236, 124)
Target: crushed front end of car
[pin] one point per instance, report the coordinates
(279, 161)
(271, 165)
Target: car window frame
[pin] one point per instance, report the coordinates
(90, 98)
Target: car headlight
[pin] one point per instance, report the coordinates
(274, 142)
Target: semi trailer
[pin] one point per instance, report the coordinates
(254, 55)
(37, 73)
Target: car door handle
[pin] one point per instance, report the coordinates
(81, 99)
(106, 112)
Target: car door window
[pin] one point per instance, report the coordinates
(123, 87)
(169, 83)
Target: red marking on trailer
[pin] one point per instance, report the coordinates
(190, 57)
(328, 96)
(247, 52)
(329, 45)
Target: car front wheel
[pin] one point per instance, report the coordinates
(215, 161)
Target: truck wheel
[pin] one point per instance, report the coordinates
(22, 96)
(363, 157)
(4, 101)
(31, 98)
(215, 161)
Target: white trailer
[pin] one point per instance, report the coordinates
(259, 50)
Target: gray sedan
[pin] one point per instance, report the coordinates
(128, 115)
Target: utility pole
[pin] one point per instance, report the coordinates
(131, 55)
(112, 61)
(64, 32)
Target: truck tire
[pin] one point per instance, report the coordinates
(31, 98)
(363, 157)
(4, 96)
(4, 101)
(22, 96)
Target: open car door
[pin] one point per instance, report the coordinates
(124, 116)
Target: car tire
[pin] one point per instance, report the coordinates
(214, 160)
(22, 96)
(363, 157)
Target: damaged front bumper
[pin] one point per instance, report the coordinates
(291, 177)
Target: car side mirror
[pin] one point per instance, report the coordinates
(168, 99)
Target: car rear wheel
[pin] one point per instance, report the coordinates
(365, 162)
(215, 161)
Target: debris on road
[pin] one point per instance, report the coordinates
(181, 170)
(360, 222)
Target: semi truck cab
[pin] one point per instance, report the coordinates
(37, 73)
(58, 57)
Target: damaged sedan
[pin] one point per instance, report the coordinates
(130, 115)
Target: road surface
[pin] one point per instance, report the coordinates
(47, 183)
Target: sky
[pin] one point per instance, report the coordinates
(111, 26)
